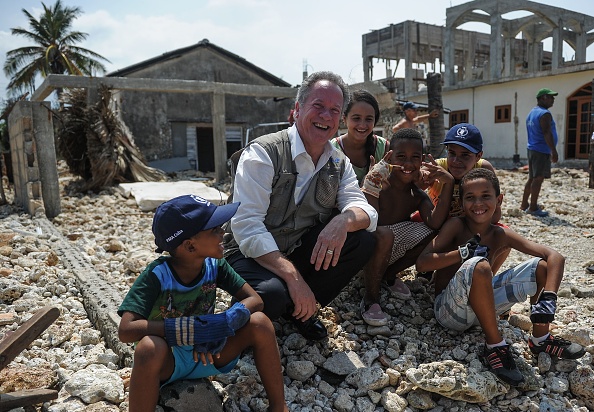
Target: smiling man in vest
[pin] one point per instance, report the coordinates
(302, 230)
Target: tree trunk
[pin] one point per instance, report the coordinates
(97, 146)
(436, 124)
(3, 172)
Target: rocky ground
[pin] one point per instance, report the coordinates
(413, 364)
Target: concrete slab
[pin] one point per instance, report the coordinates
(149, 195)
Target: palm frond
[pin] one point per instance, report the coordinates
(56, 49)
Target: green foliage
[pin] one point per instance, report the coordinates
(55, 50)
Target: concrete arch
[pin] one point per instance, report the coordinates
(563, 26)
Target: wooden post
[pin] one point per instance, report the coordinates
(436, 125)
(33, 156)
(15, 343)
(20, 339)
(218, 129)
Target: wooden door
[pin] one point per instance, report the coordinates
(579, 132)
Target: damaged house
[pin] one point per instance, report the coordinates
(174, 131)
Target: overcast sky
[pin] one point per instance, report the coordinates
(278, 36)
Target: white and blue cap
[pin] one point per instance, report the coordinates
(184, 216)
(466, 135)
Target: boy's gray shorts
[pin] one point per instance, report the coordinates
(514, 285)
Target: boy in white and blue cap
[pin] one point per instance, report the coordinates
(169, 310)
(464, 152)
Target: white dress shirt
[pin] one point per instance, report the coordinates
(253, 186)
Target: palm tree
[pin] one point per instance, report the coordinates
(55, 51)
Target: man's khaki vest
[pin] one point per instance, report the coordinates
(285, 220)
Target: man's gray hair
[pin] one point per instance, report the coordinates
(305, 88)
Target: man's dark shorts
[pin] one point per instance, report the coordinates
(539, 164)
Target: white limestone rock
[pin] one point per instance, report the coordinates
(455, 381)
(581, 384)
(94, 383)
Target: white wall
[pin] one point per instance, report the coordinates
(500, 139)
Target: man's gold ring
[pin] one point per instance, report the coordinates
(330, 252)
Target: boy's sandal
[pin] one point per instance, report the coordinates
(538, 212)
(373, 314)
(398, 288)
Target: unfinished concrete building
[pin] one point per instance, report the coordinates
(464, 56)
(490, 77)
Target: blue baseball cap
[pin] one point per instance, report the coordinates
(409, 105)
(465, 135)
(182, 217)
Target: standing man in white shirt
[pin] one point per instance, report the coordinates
(302, 230)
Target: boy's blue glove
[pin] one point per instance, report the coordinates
(237, 315)
(191, 330)
(473, 248)
(212, 347)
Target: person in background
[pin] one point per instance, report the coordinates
(303, 228)
(411, 118)
(169, 310)
(359, 143)
(542, 150)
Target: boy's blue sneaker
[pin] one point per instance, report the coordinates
(559, 347)
(502, 364)
(538, 212)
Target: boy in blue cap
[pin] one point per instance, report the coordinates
(169, 310)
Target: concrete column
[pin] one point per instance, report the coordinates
(469, 55)
(218, 132)
(496, 51)
(366, 68)
(92, 96)
(508, 63)
(534, 56)
(34, 158)
(580, 51)
(557, 46)
(449, 53)
(408, 71)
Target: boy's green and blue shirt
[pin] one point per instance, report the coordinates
(158, 293)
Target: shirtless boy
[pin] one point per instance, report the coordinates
(467, 291)
(390, 188)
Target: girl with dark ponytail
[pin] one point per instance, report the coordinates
(359, 144)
